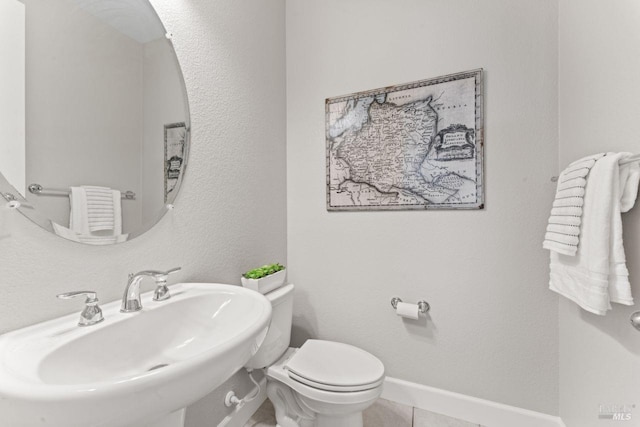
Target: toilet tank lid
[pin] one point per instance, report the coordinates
(335, 364)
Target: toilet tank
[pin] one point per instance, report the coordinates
(279, 335)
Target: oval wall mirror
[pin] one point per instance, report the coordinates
(95, 116)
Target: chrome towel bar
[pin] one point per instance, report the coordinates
(39, 190)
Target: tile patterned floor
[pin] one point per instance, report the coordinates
(422, 418)
(383, 413)
(387, 413)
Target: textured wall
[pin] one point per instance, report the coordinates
(599, 92)
(492, 331)
(231, 212)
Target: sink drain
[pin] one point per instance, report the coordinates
(153, 368)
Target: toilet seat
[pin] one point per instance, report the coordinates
(278, 372)
(335, 367)
(329, 387)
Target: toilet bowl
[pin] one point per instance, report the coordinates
(320, 384)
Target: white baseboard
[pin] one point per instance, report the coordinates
(473, 409)
(483, 412)
(244, 411)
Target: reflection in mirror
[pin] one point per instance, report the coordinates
(97, 119)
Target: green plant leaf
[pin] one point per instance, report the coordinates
(265, 270)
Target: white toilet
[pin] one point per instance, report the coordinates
(322, 383)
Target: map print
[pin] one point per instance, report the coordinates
(412, 146)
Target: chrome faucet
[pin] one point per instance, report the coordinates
(92, 313)
(131, 298)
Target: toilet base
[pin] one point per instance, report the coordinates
(292, 410)
(289, 410)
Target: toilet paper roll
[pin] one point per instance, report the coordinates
(410, 311)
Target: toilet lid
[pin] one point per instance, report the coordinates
(334, 366)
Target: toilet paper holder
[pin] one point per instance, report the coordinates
(423, 306)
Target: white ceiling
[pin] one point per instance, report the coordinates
(135, 18)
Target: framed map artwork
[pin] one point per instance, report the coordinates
(174, 154)
(412, 146)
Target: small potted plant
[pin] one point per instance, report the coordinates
(264, 279)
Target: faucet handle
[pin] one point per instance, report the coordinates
(92, 297)
(174, 270)
(92, 313)
(163, 275)
(162, 291)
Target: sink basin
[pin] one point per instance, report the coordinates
(132, 369)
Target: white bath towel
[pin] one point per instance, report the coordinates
(597, 275)
(103, 240)
(65, 232)
(78, 220)
(68, 234)
(563, 231)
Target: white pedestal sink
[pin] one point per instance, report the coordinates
(138, 369)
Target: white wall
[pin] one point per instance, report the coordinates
(492, 331)
(84, 106)
(12, 96)
(599, 110)
(230, 214)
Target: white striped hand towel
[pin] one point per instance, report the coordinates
(563, 231)
(100, 208)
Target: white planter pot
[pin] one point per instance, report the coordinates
(266, 284)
